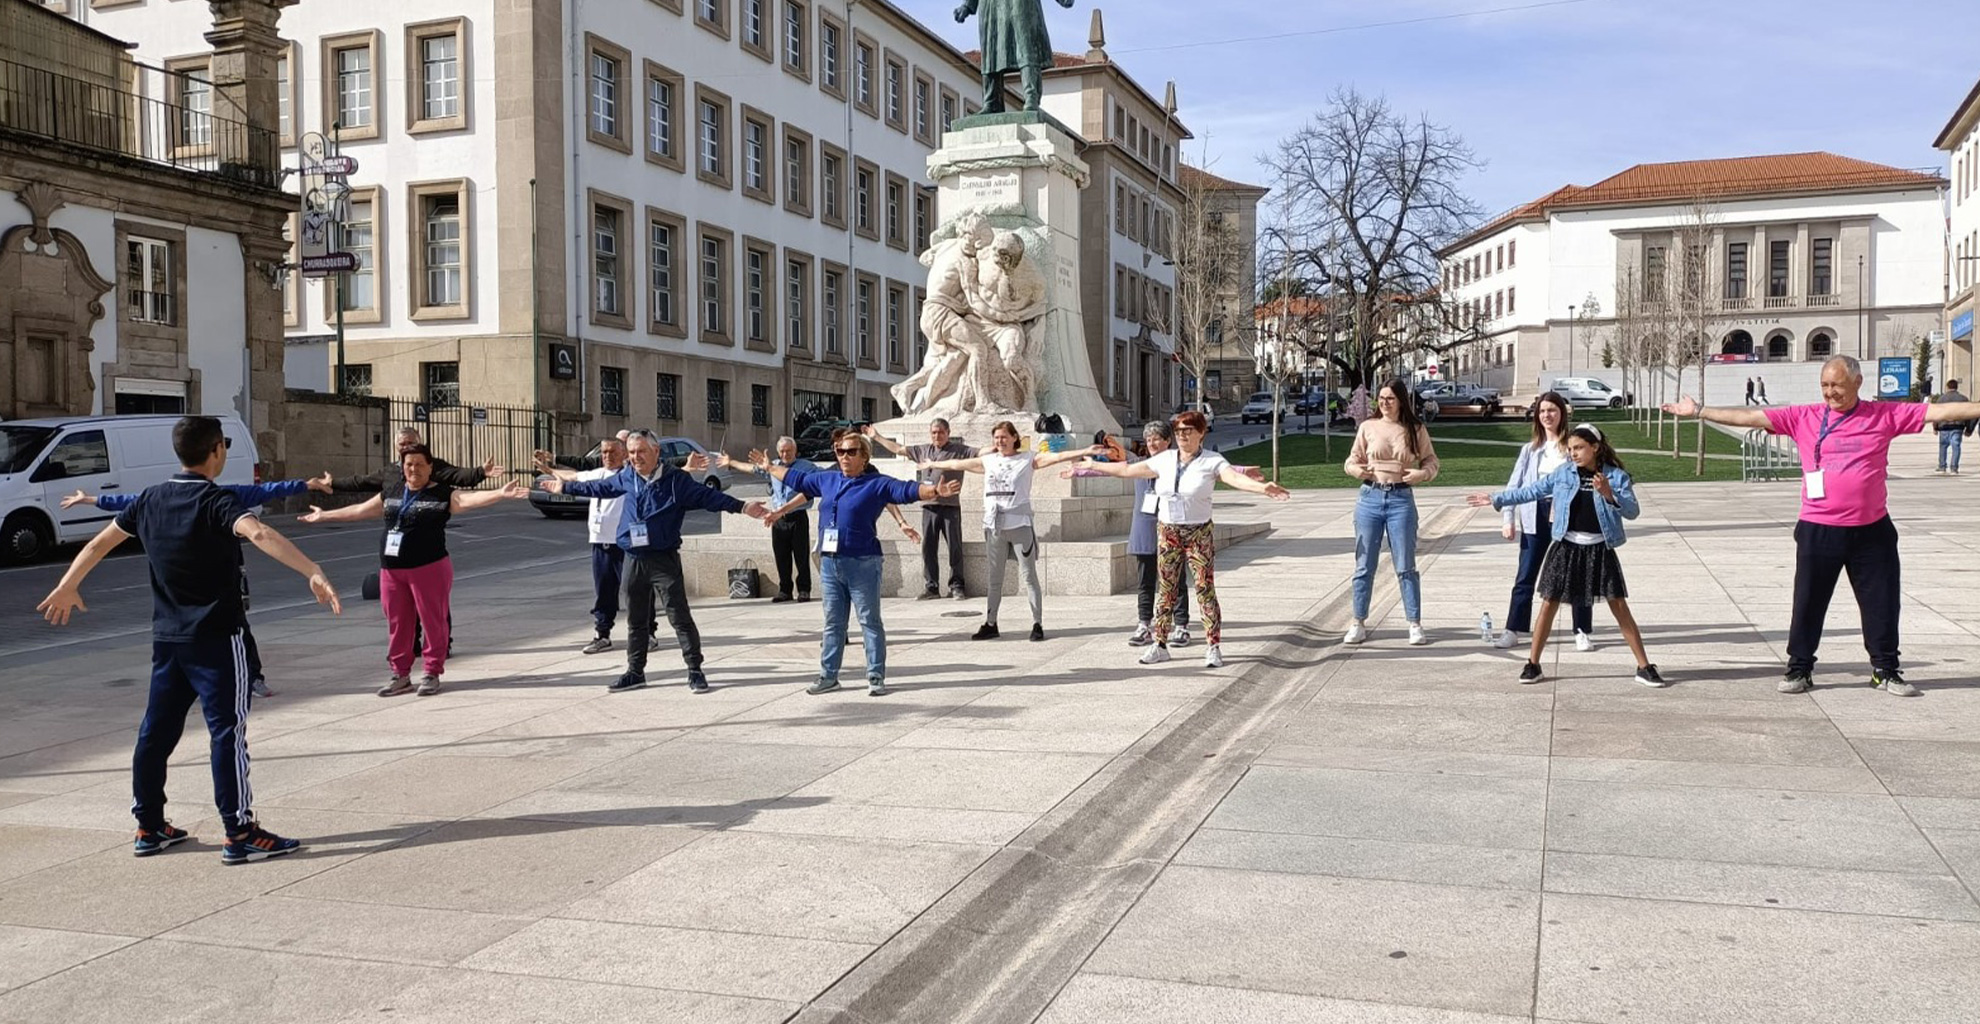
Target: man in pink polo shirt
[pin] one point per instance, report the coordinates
(1845, 525)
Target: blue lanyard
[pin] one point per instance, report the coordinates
(407, 500)
(1827, 429)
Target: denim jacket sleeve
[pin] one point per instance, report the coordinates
(1625, 489)
(1522, 467)
(1534, 491)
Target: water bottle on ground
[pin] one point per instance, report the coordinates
(1485, 627)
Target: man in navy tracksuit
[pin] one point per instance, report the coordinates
(189, 527)
(657, 498)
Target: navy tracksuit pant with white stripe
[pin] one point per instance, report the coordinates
(213, 671)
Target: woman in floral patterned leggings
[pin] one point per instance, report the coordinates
(1184, 478)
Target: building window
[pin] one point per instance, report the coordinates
(663, 247)
(354, 87)
(757, 285)
(753, 37)
(865, 216)
(194, 86)
(148, 284)
(950, 105)
(607, 266)
(833, 291)
(758, 138)
(896, 317)
(714, 277)
(897, 211)
(1778, 348)
(797, 171)
(924, 220)
(797, 42)
(350, 97)
(436, 65)
(1511, 296)
(663, 116)
(441, 217)
(1736, 270)
(712, 131)
(797, 303)
(667, 396)
(1653, 273)
(831, 45)
(285, 106)
(713, 15)
(612, 390)
(866, 410)
(1512, 252)
(832, 186)
(357, 379)
(759, 405)
(718, 401)
(864, 88)
(441, 384)
(360, 240)
(1777, 270)
(605, 71)
(1822, 267)
(863, 320)
(924, 109)
(1821, 346)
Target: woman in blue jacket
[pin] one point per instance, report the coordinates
(1590, 497)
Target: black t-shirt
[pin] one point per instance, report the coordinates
(187, 527)
(1581, 512)
(422, 524)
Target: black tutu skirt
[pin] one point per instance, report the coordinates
(1581, 574)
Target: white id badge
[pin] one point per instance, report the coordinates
(636, 535)
(393, 538)
(828, 541)
(1150, 503)
(1812, 482)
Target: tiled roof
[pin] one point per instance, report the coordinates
(1298, 306)
(1738, 177)
(1191, 177)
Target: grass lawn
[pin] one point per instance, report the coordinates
(1482, 466)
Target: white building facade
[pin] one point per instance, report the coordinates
(1961, 142)
(1808, 255)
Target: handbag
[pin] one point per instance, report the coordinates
(744, 581)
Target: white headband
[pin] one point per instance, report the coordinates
(1590, 427)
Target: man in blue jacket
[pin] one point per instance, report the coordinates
(657, 498)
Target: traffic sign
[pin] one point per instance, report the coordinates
(329, 263)
(337, 165)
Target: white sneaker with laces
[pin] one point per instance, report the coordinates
(1583, 642)
(1154, 656)
(1213, 656)
(1417, 637)
(1506, 640)
(1357, 633)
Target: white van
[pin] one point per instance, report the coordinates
(1587, 393)
(42, 460)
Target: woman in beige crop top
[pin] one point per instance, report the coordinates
(1391, 454)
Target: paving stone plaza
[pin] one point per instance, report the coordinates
(1048, 831)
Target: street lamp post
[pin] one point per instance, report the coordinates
(1570, 339)
(1862, 315)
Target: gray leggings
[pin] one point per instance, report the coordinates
(998, 544)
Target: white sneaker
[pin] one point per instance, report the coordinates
(1213, 656)
(1506, 640)
(1179, 636)
(1583, 642)
(1357, 633)
(1417, 638)
(1154, 656)
(1142, 636)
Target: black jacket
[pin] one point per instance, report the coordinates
(443, 471)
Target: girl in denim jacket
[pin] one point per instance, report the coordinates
(1591, 497)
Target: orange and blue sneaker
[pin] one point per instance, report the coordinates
(152, 840)
(255, 844)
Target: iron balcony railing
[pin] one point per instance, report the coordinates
(172, 132)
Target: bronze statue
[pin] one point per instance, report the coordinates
(1013, 39)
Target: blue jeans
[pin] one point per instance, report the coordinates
(852, 584)
(1949, 441)
(1393, 512)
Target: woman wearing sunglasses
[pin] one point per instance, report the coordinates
(850, 501)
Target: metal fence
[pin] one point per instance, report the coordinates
(470, 434)
(1764, 457)
(179, 130)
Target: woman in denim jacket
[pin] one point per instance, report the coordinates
(1527, 524)
(1591, 496)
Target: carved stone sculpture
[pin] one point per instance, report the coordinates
(986, 301)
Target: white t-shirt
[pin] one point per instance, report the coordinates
(1185, 500)
(1552, 457)
(604, 520)
(1006, 490)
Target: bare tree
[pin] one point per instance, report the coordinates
(1696, 302)
(1384, 189)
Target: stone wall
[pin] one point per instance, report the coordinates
(342, 434)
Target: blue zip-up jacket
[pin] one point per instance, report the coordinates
(248, 495)
(661, 505)
(1562, 483)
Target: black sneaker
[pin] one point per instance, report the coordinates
(803, 596)
(1797, 680)
(987, 631)
(697, 682)
(1647, 675)
(629, 681)
(780, 599)
(1531, 673)
(255, 844)
(1891, 681)
(598, 645)
(1037, 631)
(929, 595)
(822, 686)
(150, 841)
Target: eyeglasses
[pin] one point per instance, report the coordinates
(850, 451)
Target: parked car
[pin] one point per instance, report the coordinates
(815, 441)
(43, 459)
(1588, 393)
(674, 449)
(1450, 396)
(1258, 409)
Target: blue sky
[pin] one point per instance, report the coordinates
(1550, 95)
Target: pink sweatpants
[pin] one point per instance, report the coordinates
(420, 595)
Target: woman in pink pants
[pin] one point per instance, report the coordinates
(416, 577)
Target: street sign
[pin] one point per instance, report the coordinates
(328, 263)
(419, 412)
(479, 416)
(1894, 377)
(337, 165)
(315, 240)
(563, 362)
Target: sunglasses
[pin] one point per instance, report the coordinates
(850, 451)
